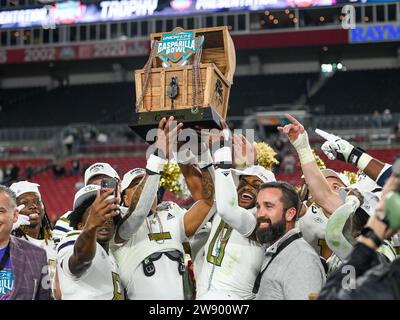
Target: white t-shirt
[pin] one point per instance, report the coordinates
(100, 281)
(313, 226)
(166, 282)
(231, 263)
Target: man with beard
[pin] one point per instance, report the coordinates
(291, 268)
(274, 227)
(86, 267)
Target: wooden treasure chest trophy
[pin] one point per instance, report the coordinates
(188, 75)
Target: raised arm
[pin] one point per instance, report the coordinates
(317, 184)
(143, 199)
(337, 148)
(202, 210)
(226, 198)
(334, 235)
(140, 208)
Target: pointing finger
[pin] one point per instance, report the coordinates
(292, 119)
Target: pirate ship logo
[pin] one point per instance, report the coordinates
(178, 47)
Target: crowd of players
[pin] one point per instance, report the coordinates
(248, 236)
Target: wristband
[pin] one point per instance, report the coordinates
(159, 153)
(359, 158)
(223, 157)
(303, 149)
(205, 159)
(155, 164)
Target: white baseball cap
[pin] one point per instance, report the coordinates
(22, 187)
(100, 168)
(259, 171)
(332, 173)
(85, 193)
(130, 176)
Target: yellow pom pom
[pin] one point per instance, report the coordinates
(352, 176)
(170, 178)
(265, 155)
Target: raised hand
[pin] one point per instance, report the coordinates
(335, 147)
(243, 151)
(167, 136)
(293, 129)
(172, 130)
(102, 210)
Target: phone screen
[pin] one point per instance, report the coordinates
(109, 184)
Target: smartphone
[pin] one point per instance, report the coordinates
(109, 184)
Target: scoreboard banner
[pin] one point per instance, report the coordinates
(72, 12)
(75, 52)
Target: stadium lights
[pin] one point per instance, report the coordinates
(330, 67)
(326, 68)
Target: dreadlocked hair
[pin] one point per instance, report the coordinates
(46, 231)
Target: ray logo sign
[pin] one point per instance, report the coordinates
(375, 33)
(178, 47)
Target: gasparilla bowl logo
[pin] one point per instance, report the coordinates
(178, 45)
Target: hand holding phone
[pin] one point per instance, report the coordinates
(108, 185)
